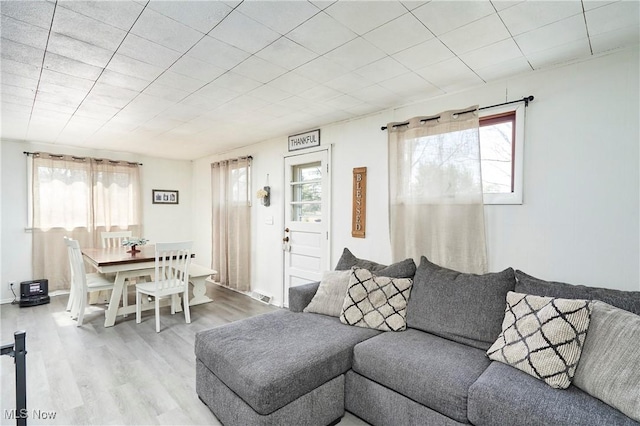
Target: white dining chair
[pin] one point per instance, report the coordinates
(82, 283)
(114, 239)
(171, 279)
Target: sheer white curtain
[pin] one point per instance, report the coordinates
(231, 227)
(435, 190)
(78, 198)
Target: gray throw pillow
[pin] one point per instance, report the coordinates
(465, 308)
(329, 298)
(627, 300)
(402, 269)
(609, 368)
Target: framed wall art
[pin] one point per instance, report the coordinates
(164, 196)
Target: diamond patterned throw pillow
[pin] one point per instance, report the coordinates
(543, 336)
(376, 302)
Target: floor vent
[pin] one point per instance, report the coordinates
(264, 298)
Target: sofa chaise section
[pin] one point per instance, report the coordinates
(279, 364)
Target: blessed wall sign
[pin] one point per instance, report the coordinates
(359, 210)
(304, 140)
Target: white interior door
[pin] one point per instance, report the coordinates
(306, 235)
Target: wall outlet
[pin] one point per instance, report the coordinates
(12, 284)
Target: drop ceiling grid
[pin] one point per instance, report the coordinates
(284, 64)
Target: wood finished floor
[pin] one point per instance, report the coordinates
(122, 375)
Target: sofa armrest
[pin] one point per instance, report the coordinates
(300, 296)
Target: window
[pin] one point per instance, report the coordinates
(501, 149)
(306, 201)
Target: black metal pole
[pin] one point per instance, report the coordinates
(21, 378)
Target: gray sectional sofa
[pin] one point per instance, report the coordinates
(291, 367)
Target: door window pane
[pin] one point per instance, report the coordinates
(306, 187)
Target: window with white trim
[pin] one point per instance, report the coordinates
(501, 152)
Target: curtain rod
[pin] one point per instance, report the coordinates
(84, 158)
(526, 101)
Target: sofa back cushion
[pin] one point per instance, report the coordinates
(403, 269)
(466, 308)
(609, 366)
(627, 300)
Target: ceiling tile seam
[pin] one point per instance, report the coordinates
(44, 55)
(586, 26)
(274, 30)
(98, 78)
(24, 22)
(512, 38)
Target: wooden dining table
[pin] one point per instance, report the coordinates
(126, 266)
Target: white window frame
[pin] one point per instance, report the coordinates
(514, 197)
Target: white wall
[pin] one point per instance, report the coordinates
(161, 222)
(579, 222)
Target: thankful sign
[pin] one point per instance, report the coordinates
(304, 140)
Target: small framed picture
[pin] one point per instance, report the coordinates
(164, 196)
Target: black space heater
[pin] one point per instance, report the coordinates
(33, 293)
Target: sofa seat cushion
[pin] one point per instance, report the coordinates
(505, 395)
(272, 359)
(428, 369)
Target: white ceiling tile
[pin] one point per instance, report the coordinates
(208, 102)
(161, 124)
(613, 16)
(6, 107)
(412, 4)
(450, 73)
(269, 93)
(200, 15)
(504, 4)
(217, 53)
(17, 99)
(179, 81)
(348, 82)
(21, 53)
(10, 66)
(107, 94)
(87, 29)
(120, 14)
(549, 36)
(43, 107)
(334, 34)
(559, 54)
(74, 95)
(527, 16)
(79, 50)
(292, 82)
(97, 111)
(319, 93)
(259, 69)
(144, 106)
(322, 4)
(383, 69)
(165, 92)
(19, 81)
(480, 33)
(165, 31)
(47, 115)
(197, 69)
(231, 81)
(70, 66)
(614, 39)
(181, 112)
(66, 80)
(244, 33)
(24, 33)
(122, 80)
(411, 87)
(444, 16)
(147, 51)
(321, 70)
(362, 109)
(594, 4)
(427, 53)
(351, 14)
(37, 13)
(64, 99)
(493, 54)
(133, 67)
(281, 16)
(343, 102)
(355, 54)
(504, 69)
(399, 34)
(377, 95)
(286, 54)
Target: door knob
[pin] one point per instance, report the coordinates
(285, 239)
(286, 229)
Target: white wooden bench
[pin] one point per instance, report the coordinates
(197, 276)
